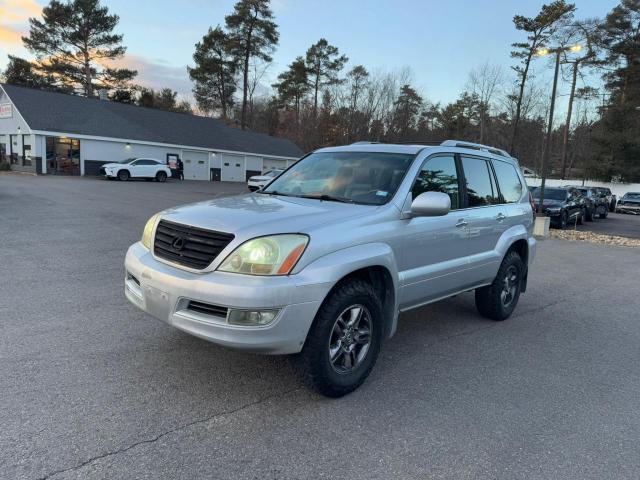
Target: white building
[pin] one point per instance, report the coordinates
(55, 133)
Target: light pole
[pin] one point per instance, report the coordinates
(545, 156)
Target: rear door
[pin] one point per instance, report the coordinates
(486, 217)
(512, 195)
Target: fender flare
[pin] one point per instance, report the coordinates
(334, 266)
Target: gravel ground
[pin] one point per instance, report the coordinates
(92, 388)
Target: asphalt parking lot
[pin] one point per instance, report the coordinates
(620, 224)
(92, 388)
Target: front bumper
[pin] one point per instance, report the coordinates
(635, 209)
(163, 291)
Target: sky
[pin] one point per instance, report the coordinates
(439, 40)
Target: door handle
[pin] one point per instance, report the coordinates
(461, 223)
(501, 216)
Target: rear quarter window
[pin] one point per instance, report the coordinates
(508, 181)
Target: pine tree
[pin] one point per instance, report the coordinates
(72, 42)
(214, 72)
(25, 73)
(293, 85)
(324, 62)
(538, 29)
(252, 34)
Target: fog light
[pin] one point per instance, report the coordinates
(251, 317)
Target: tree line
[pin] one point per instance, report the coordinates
(323, 99)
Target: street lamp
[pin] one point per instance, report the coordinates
(541, 52)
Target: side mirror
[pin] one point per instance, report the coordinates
(431, 204)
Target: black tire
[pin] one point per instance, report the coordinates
(564, 220)
(581, 217)
(314, 363)
(490, 301)
(604, 213)
(589, 216)
(612, 206)
(124, 175)
(161, 176)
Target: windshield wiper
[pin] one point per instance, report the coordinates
(329, 198)
(274, 192)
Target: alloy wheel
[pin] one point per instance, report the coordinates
(509, 286)
(350, 338)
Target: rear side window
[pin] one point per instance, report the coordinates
(480, 188)
(509, 181)
(439, 175)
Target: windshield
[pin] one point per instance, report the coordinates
(128, 160)
(550, 193)
(272, 173)
(633, 195)
(354, 177)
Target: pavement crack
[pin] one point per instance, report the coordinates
(168, 432)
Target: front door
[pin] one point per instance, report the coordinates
(433, 258)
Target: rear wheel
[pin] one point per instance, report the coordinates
(604, 213)
(161, 176)
(123, 175)
(343, 342)
(589, 216)
(498, 300)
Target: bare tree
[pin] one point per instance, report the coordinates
(484, 82)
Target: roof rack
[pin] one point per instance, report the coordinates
(475, 146)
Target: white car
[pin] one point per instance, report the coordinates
(258, 181)
(148, 168)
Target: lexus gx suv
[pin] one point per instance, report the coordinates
(321, 261)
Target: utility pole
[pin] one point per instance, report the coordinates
(545, 157)
(547, 145)
(567, 124)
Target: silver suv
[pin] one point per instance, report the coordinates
(321, 261)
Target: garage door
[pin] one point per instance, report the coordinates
(232, 168)
(196, 165)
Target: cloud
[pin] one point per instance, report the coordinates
(15, 16)
(154, 74)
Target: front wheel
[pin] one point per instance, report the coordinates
(161, 176)
(123, 175)
(343, 343)
(498, 300)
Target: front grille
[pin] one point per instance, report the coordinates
(189, 246)
(207, 309)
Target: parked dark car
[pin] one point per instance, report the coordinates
(611, 198)
(599, 200)
(629, 203)
(563, 205)
(595, 202)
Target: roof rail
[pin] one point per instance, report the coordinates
(475, 146)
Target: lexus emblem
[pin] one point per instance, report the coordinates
(178, 243)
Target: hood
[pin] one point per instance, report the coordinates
(260, 178)
(111, 165)
(259, 214)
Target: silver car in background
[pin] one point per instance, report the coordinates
(321, 262)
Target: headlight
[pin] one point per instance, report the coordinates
(272, 255)
(147, 233)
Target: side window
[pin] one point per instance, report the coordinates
(480, 189)
(509, 181)
(439, 175)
